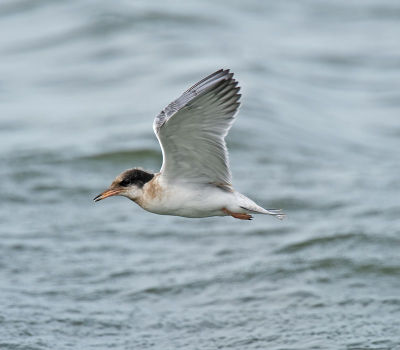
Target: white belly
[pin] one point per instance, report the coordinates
(194, 201)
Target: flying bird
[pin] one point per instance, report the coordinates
(195, 180)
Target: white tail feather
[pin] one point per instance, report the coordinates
(275, 212)
(248, 204)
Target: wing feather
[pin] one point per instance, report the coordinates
(192, 129)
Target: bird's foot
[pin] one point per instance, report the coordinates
(239, 216)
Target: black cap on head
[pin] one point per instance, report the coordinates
(135, 177)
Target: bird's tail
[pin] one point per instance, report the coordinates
(278, 213)
(252, 207)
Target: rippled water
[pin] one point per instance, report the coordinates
(317, 135)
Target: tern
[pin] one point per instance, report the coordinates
(195, 180)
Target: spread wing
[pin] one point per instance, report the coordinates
(192, 129)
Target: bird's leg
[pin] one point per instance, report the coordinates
(237, 215)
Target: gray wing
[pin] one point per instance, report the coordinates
(192, 129)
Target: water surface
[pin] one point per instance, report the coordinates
(317, 135)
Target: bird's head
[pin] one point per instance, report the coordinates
(128, 184)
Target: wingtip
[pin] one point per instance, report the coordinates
(225, 72)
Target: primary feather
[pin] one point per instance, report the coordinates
(192, 129)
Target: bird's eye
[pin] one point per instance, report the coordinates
(124, 183)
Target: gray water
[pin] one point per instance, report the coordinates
(317, 135)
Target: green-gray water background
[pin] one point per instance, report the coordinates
(317, 135)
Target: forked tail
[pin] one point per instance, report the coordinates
(248, 204)
(274, 212)
(278, 213)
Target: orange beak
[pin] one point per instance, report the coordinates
(107, 193)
